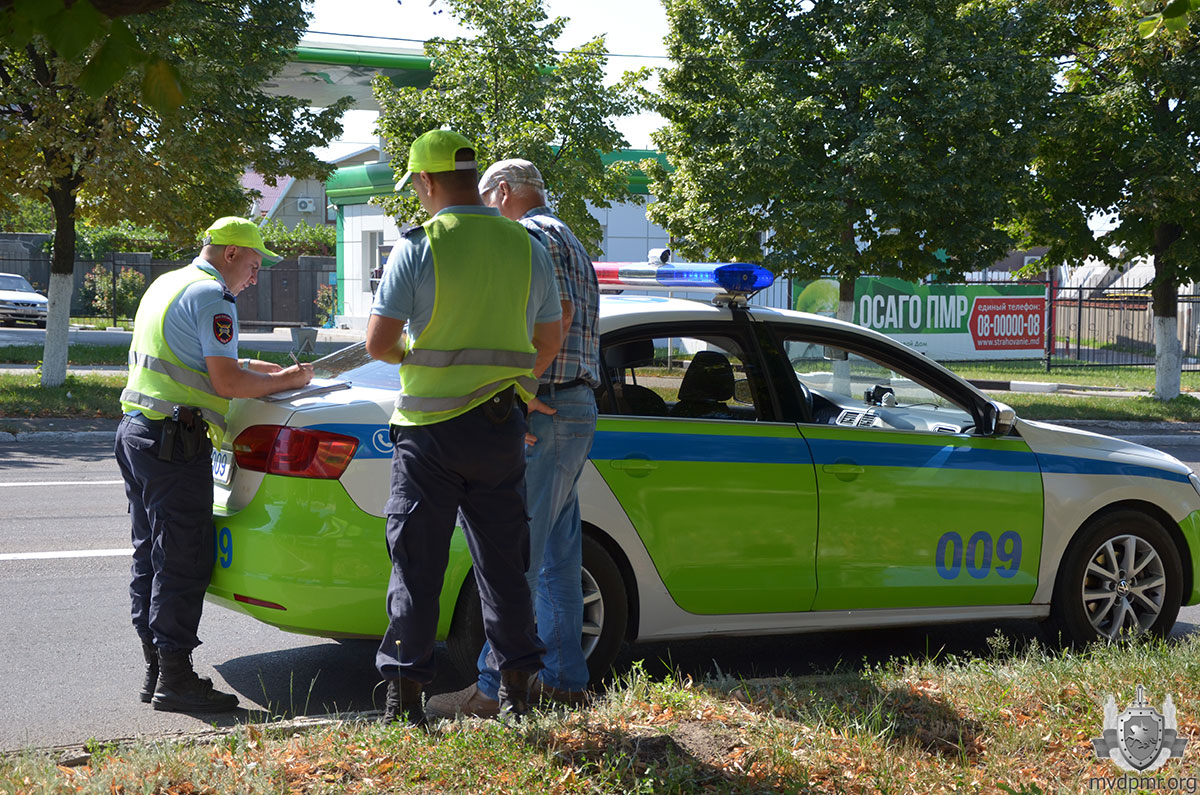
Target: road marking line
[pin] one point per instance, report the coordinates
(74, 553)
(62, 483)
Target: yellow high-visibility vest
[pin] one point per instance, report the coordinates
(477, 342)
(158, 380)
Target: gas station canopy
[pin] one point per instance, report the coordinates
(323, 73)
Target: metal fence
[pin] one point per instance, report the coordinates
(283, 297)
(1113, 328)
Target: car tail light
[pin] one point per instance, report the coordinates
(295, 452)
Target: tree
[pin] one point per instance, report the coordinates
(116, 157)
(73, 26)
(848, 138)
(1173, 16)
(507, 90)
(1123, 144)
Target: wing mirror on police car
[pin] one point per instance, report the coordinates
(998, 419)
(836, 354)
(742, 393)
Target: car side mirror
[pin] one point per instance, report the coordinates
(742, 393)
(998, 419)
(836, 354)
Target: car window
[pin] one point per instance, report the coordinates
(17, 283)
(850, 389)
(701, 376)
(354, 365)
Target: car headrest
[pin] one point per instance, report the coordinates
(638, 353)
(708, 377)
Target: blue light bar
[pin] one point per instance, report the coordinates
(731, 277)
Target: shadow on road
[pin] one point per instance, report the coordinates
(332, 678)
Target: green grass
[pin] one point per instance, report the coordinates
(93, 395)
(1005, 720)
(1132, 378)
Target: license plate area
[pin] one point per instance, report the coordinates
(222, 466)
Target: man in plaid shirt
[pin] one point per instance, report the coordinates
(562, 422)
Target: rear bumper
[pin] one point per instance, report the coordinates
(303, 544)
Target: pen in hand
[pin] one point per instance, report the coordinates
(294, 359)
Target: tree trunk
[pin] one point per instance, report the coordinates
(1168, 353)
(62, 283)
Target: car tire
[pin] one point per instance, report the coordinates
(1096, 595)
(605, 608)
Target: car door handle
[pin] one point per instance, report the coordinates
(634, 466)
(843, 469)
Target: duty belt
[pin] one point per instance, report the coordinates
(546, 389)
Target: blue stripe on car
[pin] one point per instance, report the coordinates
(1073, 465)
(609, 445)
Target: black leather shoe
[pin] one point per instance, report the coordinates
(180, 690)
(403, 703)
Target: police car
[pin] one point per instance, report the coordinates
(754, 471)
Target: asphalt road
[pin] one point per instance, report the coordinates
(70, 663)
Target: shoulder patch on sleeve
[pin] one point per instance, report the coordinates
(223, 328)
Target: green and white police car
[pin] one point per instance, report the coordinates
(754, 471)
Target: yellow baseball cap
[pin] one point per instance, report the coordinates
(234, 231)
(434, 151)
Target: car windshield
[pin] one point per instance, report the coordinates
(10, 281)
(354, 365)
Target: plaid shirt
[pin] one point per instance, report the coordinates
(579, 356)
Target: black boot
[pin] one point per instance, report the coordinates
(150, 683)
(403, 703)
(180, 690)
(513, 694)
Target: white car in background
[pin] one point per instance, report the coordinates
(20, 301)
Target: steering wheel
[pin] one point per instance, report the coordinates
(806, 399)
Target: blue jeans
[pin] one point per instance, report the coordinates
(552, 468)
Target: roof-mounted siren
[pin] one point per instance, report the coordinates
(730, 282)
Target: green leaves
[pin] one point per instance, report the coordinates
(883, 138)
(509, 91)
(118, 53)
(73, 29)
(163, 87)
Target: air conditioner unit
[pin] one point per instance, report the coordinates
(306, 205)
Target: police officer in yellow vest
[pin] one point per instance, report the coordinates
(183, 369)
(482, 310)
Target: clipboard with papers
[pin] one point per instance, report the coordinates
(317, 386)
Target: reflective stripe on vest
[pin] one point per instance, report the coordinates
(432, 404)
(424, 357)
(183, 375)
(477, 341)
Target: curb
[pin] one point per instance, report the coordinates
(1038, 386)
(58, 436)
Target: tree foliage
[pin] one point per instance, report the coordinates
(858, 137)
(1173, 16)
(506, 89)
(1122, 144)
(118, 156)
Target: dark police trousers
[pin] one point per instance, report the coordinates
(170, 505)
(473, 464)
